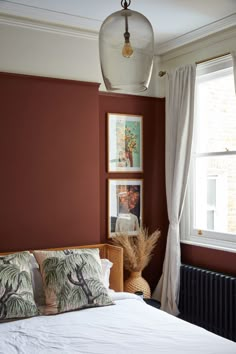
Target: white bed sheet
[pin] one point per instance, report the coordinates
(130, 326)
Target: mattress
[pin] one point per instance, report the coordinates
(129, 326)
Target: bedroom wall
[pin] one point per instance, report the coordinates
(58, 53)
(53, 163)
(220, 43)
(49, 161)
(155, 212)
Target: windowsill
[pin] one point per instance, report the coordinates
(206, 244)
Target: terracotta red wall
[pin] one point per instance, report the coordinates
(207, 258)
(154, 203)
(49, 159)
(53, 164)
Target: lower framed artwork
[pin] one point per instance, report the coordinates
(125, 206)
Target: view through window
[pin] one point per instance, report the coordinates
(213, 172)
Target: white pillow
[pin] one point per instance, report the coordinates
(37, 282)
(106, 268)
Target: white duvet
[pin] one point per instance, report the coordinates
(130, 326)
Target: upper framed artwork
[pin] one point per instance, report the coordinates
(125, 143)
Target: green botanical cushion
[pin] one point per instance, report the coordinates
(16, 292)
(72, 280)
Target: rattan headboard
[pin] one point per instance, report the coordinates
(113, 253)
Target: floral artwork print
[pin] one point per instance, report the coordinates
(125, 143)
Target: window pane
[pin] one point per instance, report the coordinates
(216, 112)
(210, 220)
(211, 191)
(215, 191)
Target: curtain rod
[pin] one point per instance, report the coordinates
(162, 73)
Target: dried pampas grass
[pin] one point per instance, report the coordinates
(138, 250)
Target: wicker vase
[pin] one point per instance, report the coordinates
(136, 282)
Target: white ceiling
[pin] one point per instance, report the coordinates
(175, 22)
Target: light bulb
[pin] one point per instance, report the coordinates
(127, 50)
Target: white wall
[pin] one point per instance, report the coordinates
(211, 46)
(38, 52)
(214, 45)
(53, 51)
(28, 48)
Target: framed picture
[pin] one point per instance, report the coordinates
(125, 206)
(125, 143)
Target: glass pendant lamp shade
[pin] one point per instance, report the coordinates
(126, 48)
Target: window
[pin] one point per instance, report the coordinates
(212, 188)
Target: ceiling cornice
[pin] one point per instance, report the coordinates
(218, 40)
(48, 27)
(39, 15)
(73, 25)
(199, 33)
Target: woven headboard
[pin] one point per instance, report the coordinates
(113, 253)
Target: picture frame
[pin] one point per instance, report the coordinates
(125, 206)
(125, 143)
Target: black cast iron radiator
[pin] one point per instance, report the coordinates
(208, 299)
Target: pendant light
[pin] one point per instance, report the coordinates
(126, 48)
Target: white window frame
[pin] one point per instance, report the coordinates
(189, 234)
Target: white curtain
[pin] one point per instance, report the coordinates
(234, 67)
(179, 131)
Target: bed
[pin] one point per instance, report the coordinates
(128, 325)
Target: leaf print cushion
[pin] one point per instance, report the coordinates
(16, 291)
(72, 280)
